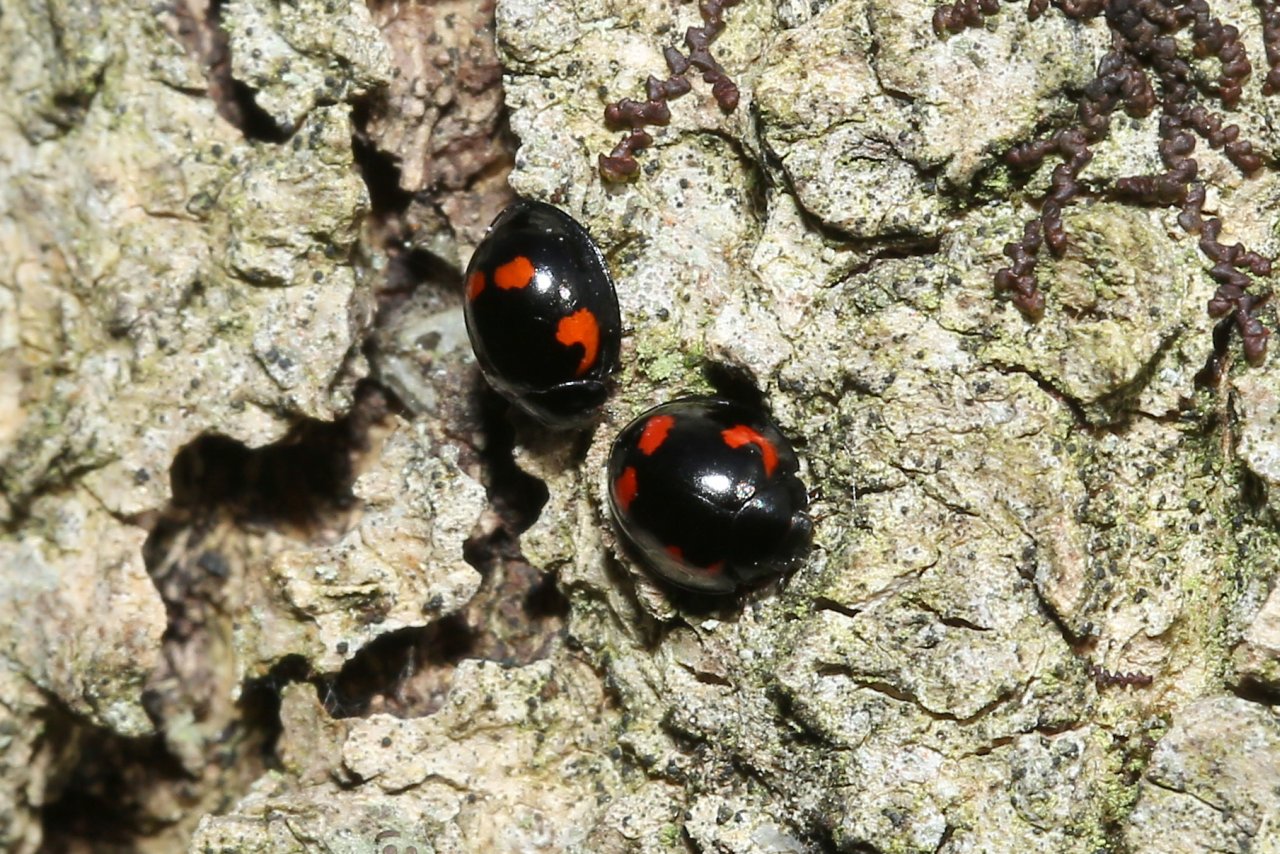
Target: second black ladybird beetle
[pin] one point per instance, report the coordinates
(707, 490)
(542, 314)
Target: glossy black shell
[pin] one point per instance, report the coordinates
(702, 511)
(514, 329)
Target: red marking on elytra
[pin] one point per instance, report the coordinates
(736, 437)
(655, 433)
(625, 487)
(678, 553)
(475, 284)
(516, 273)
(581, 328)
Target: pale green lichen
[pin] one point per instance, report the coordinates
(137, 226)
(972, 434)
(993, 492)
(299, 55)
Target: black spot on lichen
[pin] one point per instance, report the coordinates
(1105, 678)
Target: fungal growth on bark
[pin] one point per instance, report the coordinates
(1104, 678)
(1147, 69)
(620, 164)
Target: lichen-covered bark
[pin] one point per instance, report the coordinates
(1040, 610)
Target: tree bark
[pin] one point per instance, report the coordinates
(281, 573)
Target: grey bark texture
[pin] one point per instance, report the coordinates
(277, 573)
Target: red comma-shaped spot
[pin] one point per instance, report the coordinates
(736, 437)
(581, 328)
(655, 433)
(475, 284)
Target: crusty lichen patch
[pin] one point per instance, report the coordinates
(400, 565)
(515, 760)
(1008, 514)
(1257, 657)
(1007, 509)
(73, 567)
(1208, 785)
(296, 56)
(164, 277)
(176, 200)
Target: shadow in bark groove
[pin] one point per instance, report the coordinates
(380, 171)
(100, 803)
(515, 619)
(227, 498)
(381, 676)
(120, 791)
(235, 99)
(204, 37)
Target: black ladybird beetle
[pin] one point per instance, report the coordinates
(706, 490)
(542, 314)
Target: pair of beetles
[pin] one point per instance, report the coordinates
(704, 488)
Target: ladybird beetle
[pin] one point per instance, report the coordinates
(542, 314)
(707, 491)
